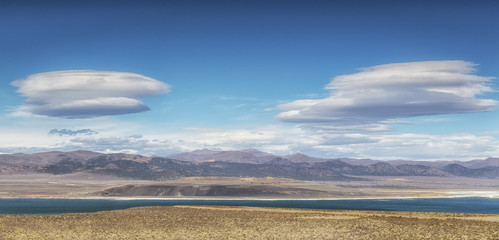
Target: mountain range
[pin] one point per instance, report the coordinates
(243, 163)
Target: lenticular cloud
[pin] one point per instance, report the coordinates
(87, 93)
(397, 90)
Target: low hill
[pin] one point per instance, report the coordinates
(230, 187)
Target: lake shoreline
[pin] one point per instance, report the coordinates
(450, 194)
(476, 205)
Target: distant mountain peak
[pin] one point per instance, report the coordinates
(255, 152)
(300, 157)
(203, 151)
(243, 156)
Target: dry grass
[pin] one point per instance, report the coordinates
(210, 222)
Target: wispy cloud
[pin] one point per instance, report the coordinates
(391, 91)
(277, 139)
(87, 93)
(461, 146)
(134, 144)
(68, 132)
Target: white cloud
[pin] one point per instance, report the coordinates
(273, 138)
(86, 93)
(276, 139)
(462, 146)
(364, 128)
(355, 121)
(391, 91)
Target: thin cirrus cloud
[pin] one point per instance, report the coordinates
(87, 93)
(399, 90)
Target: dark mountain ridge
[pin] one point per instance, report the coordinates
(235, 164)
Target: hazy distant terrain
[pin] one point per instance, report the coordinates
(78, 185)
(241, 174)
(245, 163)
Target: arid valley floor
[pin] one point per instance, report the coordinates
(211, 222)
(81, 185)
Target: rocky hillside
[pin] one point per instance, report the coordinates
(234, 164)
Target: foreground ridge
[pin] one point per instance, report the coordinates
(216, 222)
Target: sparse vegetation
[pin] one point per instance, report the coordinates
(211, 222)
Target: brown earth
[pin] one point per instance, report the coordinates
(80, 185)
(212, 222)
(232, 187)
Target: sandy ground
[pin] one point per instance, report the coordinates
(86, 186)
(48, 185)
(217, 222)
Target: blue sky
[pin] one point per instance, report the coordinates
(377, 79)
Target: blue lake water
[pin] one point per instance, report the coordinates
(58, 206)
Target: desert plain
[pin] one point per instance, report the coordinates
(85, 185)
(219, 222)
